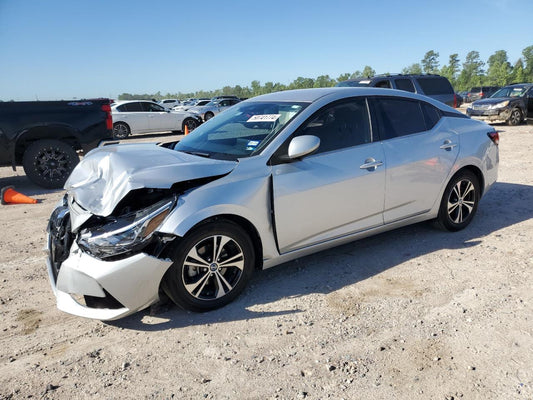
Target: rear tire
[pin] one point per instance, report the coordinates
(208, 116)
(49, 162)
(211, 266)
(121, 130)
(459, 202)
(189, 123)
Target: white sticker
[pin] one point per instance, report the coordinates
(264, 118)
(253, 143)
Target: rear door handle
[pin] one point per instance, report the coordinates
(448, 145)
(371, 164)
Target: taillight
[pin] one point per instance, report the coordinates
(108, 119)
(481, 95)
(494, 136)
(454, 100)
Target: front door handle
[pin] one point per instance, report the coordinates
(448, 145)
(371, 164)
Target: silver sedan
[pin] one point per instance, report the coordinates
(272, 179)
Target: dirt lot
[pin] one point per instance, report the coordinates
(411, 314)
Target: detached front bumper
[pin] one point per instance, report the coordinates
(104, 290)
(496, 115)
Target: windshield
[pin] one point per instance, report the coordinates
(241, 131)
(364, 82)
(510, 91)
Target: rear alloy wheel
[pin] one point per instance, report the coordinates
(190, 123)
(208, 116)
(211, 266)
(459, 202)
(515, 118)
(121, 130)
(49, 162)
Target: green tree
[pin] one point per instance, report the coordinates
(499, 71)
(256, 88)
(413, 69)
(430, 62)
(472, 73)
(343, 77)
(302, 83)
(519, 74)
(368, 71)
(324, 81)
(451, 70)
(356, 74)
(528, 61)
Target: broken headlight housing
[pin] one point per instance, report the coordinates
(125, 233)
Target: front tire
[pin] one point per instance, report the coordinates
(211, 266)
(459, 202)
(121, 130)
(49, 162)
(515, 118)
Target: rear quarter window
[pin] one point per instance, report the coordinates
(434, 86)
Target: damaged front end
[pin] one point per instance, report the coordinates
(106, 258)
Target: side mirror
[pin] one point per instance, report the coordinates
(301, 146)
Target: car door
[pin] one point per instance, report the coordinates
(133, 114)
(529, 102)
(336, 191)
(420, 151)
(159, 118)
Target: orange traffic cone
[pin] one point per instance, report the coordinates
(186, 131)
(9, 195)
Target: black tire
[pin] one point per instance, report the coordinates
(49, 162)
(515, 118)
(121, 130)
(208, 115)
(190, 123)
(459, 202)
(194, 283)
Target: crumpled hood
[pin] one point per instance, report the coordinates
(107, 174)
(490, 101)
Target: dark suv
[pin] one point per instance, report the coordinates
(481, 92)
(434, 86)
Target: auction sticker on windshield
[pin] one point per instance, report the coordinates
(264, 118)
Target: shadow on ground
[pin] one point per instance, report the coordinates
(327, 271)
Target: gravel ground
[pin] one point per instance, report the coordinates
(415, 313)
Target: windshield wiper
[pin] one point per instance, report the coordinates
(196, 153)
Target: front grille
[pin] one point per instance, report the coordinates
(60, 239)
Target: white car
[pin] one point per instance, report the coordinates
(143, 116)
(193, 106)
(214, 107)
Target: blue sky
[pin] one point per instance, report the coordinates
(65, 49)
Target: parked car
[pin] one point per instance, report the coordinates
(464, 96)
(434, 86)
(169, 103)
(192, 105)
(511, 104)
(224, 97)
(140, 116)
(481, 92)
(45, 136)
(273, 178)
(459, 100)
(214, 107)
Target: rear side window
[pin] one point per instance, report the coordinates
(435, 85)
(131, 107)
(398, 117)
(385, 83)
(405, 84)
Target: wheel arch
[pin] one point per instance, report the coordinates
(51, 132)
(477, 172)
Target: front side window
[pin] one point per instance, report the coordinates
(398, 117)
(241, 131)
(340, 125)
(151, 107)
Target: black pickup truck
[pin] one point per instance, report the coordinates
(46, 136)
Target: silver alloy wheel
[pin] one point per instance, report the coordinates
(120, 131)
(461, 201)
(213, 267)
(515, 117)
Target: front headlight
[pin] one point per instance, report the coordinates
(499, 105)
(125, 233)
